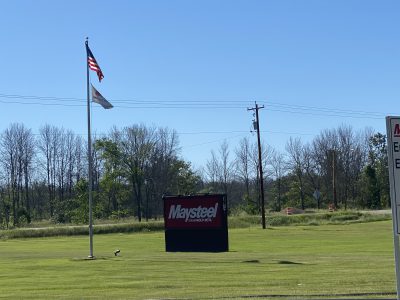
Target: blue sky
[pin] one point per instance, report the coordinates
(195, 66)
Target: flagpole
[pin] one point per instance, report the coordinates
(90, 183)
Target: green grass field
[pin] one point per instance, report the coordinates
(346, 261)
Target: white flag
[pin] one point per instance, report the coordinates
(98, 98)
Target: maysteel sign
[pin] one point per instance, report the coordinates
(197, 213)
(179, 214)
(196, 223)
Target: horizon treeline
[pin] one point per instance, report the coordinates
(44, 175)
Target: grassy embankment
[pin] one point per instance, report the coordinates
(238, 221)
(349, 261)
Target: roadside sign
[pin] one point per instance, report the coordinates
(196, 223)
(393, 136)
(393, 149)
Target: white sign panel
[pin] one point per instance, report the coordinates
(393, 135)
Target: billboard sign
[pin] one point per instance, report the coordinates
(196, 223)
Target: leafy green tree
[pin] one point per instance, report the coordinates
(112, 183)
(78, 207)
(185, 181)
(378, 160)
(370, 189)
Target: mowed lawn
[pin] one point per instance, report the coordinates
(349, 260)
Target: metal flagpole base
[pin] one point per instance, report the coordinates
(91, 257)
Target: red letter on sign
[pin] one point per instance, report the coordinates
(397, 130)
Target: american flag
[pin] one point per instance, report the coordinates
(92, 63)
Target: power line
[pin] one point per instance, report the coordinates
(41, 104)
(303, 107)
(322, 114)
(212, 132)
(193, 104)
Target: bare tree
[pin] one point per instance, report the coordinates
(212, 170)
(164, 154)
(312, 171)
(17, 151)
(161, 169)
(278, 166)
(226, 166)
(48, 146)
(243, 169)
(295, 150)
(9, 161)
(27, 152)
(322, 146)
(339, 156)
(219, 168)
(70, 145)
(136, 145)
(79, 149)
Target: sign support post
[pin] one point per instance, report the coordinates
(396, 258)
(393, 148)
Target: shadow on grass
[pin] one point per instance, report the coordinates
(288, 262)
(91, 259)
(281, 262)
(251, 261)
(349, 296)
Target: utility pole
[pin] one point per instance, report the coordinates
(257, 127)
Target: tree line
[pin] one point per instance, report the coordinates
(44, 175)
(339, 168)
